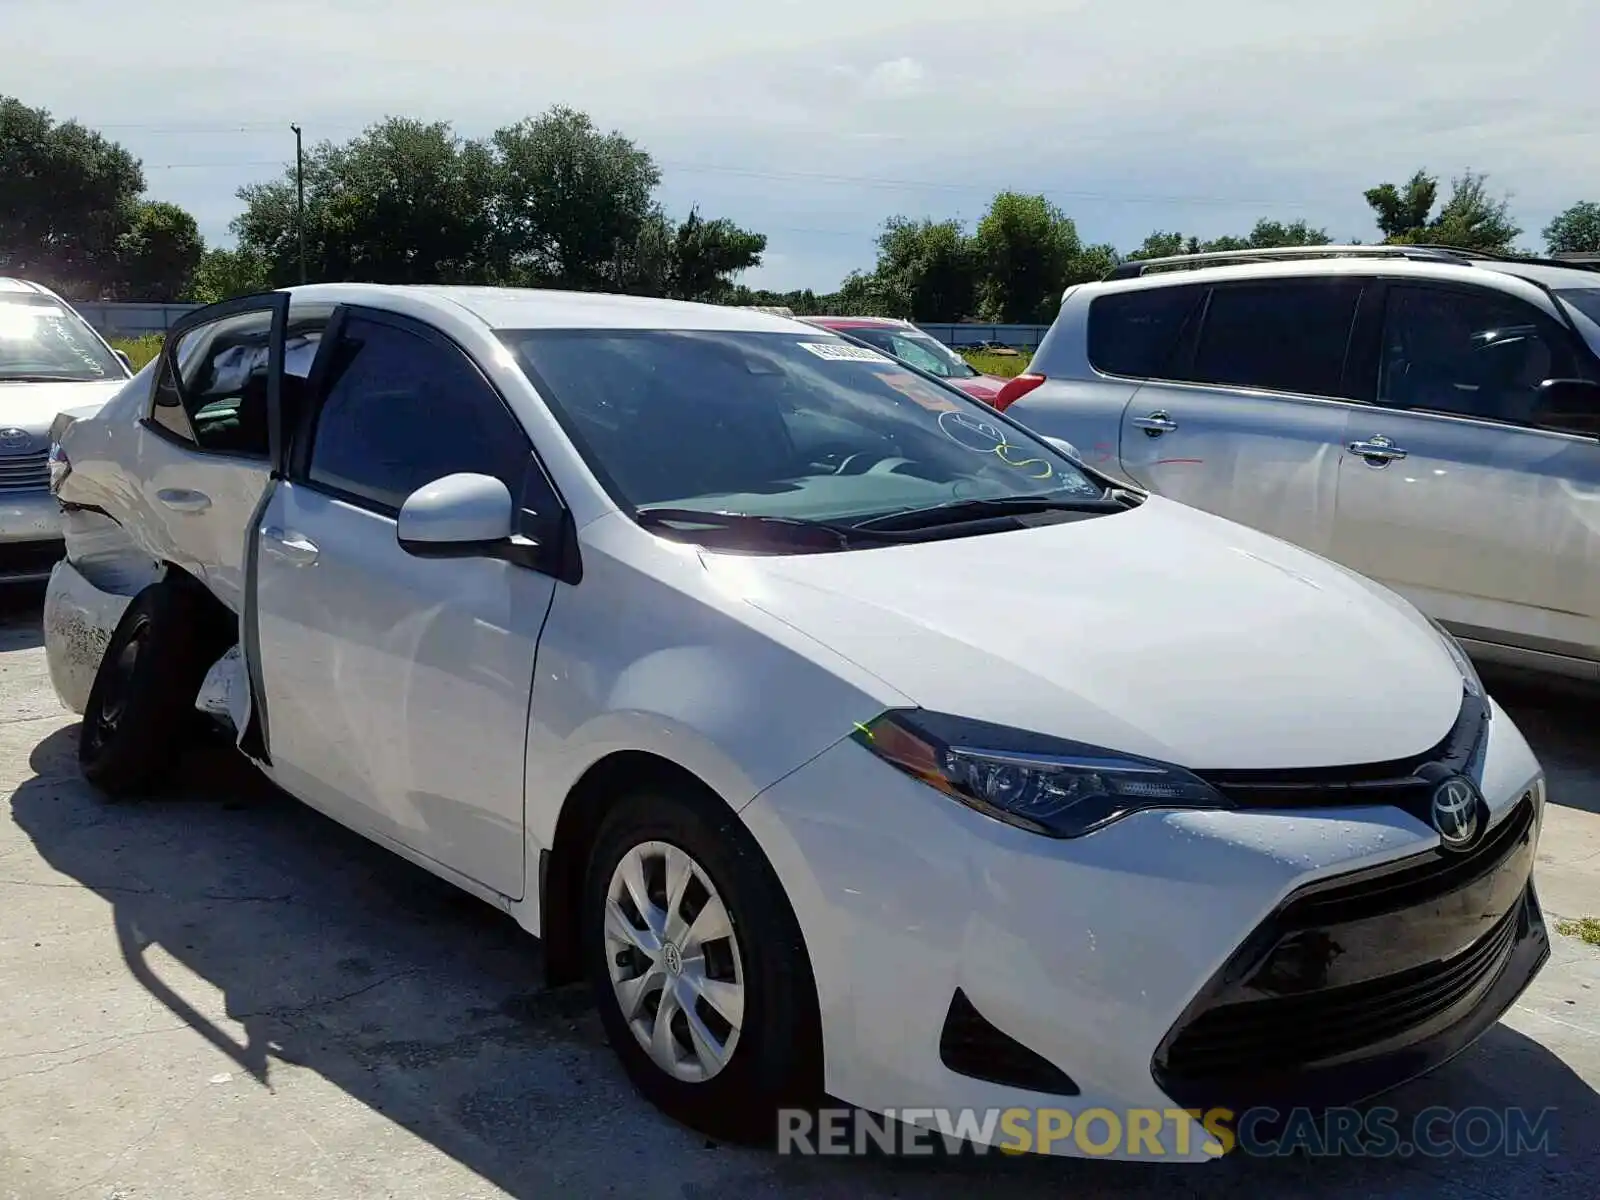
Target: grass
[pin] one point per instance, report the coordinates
(1003, 365)
(139, 350)
(1585, 928)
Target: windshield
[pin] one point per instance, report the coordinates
(1586, 302)
(778, 425)
(43, 340)
(917, 348)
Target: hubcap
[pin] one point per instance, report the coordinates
(674, 961)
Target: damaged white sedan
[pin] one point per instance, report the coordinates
(846, 736)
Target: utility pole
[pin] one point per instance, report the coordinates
(300, 197)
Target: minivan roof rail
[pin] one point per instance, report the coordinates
(1218, 258)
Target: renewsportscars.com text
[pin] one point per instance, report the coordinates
(1155, 1133)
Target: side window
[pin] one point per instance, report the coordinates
(1470, 353)
(1134, 333)
(1283, 336)
(212, 389)
(403, 410)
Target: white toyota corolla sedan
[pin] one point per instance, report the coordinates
(845, 736)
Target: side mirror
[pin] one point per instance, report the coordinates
(1572, 405)
(122, 357)
(457, 516)
(1066, 448)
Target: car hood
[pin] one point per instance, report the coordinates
(31, 407)
(1160, 631)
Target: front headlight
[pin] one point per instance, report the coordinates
(1047, 785)
(1469, 673)
(58, 467)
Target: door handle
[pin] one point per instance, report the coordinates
(1378, 450)
(1156, 423)
(184, 500)
(294, 547)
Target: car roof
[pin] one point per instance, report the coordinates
(1516, 277)
(858, 322)
(541, 308)
(1555, 278)
(1494, 271)
(8, 284)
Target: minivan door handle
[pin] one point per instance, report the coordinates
(1378, 450)
(294, 547)
(1156, 423)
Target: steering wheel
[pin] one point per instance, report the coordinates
(867, 462)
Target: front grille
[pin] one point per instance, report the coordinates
(28, 560)
(1355, 967)
(25, 472)
(1292, 1032)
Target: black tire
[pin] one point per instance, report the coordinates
(141, 709)
(776, 1060)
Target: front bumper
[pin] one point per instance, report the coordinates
(1096, 954)
(30, 535)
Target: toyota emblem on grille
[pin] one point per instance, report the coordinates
(1456, 812)
(13, 441)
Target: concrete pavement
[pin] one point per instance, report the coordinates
(222, 994)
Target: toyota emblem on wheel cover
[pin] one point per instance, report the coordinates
(14, 440)
(1456, 812)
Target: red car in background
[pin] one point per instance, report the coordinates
(903, 340)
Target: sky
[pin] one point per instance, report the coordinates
(814, 121)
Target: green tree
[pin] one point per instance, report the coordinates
(158, 255)
(67, 198)
(571, 202)
(926, 270)
(1268, 234)
(1024, 246)
(1400, 211)
(706, 255)
(1470, 217)
(1575, 231)
(405, 202)
(223, 274)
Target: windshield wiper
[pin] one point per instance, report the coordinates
(44, 379)
(958, 512)
(793, 530)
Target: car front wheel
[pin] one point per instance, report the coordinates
(698, 967)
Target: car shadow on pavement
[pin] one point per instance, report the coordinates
(335, 956)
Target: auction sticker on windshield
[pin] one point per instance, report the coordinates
(836, 352)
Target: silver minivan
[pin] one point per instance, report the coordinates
(1425, 416)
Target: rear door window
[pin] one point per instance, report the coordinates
(1136, 333)
(1278, 336)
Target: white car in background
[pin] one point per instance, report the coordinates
(841, 733)
(50, 360)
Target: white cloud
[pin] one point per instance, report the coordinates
(1132, 114)
(896, 77)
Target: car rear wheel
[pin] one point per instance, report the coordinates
(141, 708)
(698, 967)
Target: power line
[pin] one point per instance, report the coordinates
(700, 168)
